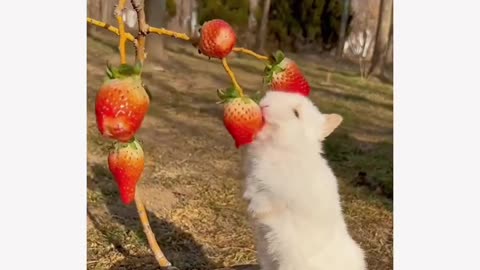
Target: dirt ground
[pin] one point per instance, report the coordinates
(191, 184)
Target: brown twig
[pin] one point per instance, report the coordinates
(252, 53)
(145, 29)
(110, 28)
(163, 31)
(150, 30)
(121, 31)
(139, 6)
(157, 252)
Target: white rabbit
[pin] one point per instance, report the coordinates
(292, 192)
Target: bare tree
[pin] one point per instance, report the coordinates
(262, 34)
(181, 20)
(93, 11)
(358, 44)
(107, 10)
(382, 37)
(389, 56)
(252, 22)
(343, 27)
(194, 18)
(155, 15)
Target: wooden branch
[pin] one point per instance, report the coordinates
(139, 42)
(121, 31)
(110, 28)
(163, 31)
(130, 37)
(232, 76)
(145, 29)
(252, 53)
(157, 252)
(139, 6)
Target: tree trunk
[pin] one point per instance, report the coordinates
(94, 10)
(381, 43)
(194, 18)
(343, 28)
(181, 21)
(155, 15)
(107, 11)
(389, 59)
(102, 11)
(262, 34)
(252, 22)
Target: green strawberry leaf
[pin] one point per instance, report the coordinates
(267, 80)
(270, 70)
(125, 70)
(277, 69)
(109, 71)
(221, 95)
(133, 143)
(269, 74)
(271, 58)
(267, 68)
(233, 92)
(137, 69)
(227, 94)
(279, 56)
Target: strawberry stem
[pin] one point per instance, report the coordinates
(157, 252)
(232, 77)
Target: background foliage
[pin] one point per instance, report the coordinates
(292, 23)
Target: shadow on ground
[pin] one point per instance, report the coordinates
(182, 249)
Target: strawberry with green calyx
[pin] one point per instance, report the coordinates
(228, 93)
(285, 75)
(126, 163)
(242, 116)
(121, 103)
(217, 39)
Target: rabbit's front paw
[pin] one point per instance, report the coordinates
(259, 205)
(262, 206)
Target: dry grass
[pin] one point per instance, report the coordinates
(191, 182)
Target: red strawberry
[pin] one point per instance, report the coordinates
(285, 75)
(242, 117)
(217, 39)
(126, 162)
(121, 103)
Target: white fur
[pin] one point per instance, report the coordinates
(292, 192)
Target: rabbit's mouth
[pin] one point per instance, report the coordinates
(263, 110)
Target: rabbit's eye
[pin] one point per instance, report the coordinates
(296, 113)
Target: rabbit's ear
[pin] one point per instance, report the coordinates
(332, 121)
